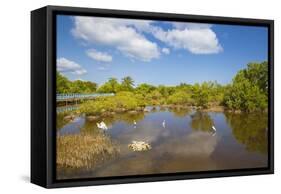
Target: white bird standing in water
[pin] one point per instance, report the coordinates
(135, 124)
(164, 123)
(213, 127)
(102, 125)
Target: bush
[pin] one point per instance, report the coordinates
(247, 92)
(201, 94)
(179, 98)
(96, 107)
(124, 100)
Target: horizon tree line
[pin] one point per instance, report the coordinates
(248, 90)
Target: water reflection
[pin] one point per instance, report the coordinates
(197, 144)
(180, 112)
(186, 143)
(201, 121)
(71, 126)
(250, 130)
(61, 121)
(130, 118)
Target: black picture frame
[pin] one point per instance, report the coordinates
(43, 95)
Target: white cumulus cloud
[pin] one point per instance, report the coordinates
(184, 25)
(99, 56)
(67, 66)
(196, 38)
(120, 34)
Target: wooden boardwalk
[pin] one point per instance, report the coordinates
(78, 97)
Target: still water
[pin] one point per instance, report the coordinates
(185, 143)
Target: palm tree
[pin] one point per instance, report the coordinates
(127, 83)
(113, 83)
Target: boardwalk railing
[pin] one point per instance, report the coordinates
(61, 109)
(69, 97)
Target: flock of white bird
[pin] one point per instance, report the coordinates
(103, 126)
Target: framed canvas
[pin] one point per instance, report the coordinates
(127, 96)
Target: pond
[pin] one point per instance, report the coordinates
(187, 141)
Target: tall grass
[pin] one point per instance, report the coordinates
(84, 150)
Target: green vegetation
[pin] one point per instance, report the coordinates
(247, 92)
(113, 86)
(66, 86)
(122, 101)
(249, 89)
(180, 97)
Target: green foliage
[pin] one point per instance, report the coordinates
(257, 73)
(63, 84)
(183, 87)
(166, 91)
(154, 97)
(66, 86)
(180, 98)
(144, 89)
(121, 101)
(200, 94)
(216, 93)
(111, 86)
(98, 106)
(79, 86)
(127, 84)
(248, 91)
(126, 100)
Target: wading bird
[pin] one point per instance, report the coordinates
(102, 125)
(164, 123)
(214, 130)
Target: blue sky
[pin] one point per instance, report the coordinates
(155, 52)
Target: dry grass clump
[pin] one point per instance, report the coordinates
(84, 150)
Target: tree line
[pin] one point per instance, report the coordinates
(248, 90)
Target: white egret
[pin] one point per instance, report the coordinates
(135, 124)
(164, 123)
(102, 125)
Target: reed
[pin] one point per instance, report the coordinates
(84, 150)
